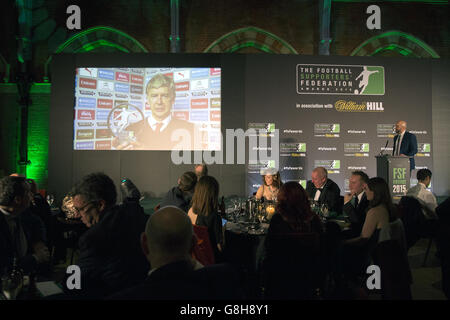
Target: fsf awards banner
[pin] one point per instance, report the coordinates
(337, 112)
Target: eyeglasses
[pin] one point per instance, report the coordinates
(84, 208)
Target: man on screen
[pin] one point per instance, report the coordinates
(405, 143)
(160, 131)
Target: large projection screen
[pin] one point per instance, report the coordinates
(147, 108)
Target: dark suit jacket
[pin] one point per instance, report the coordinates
(176, 197)
(178, 281)
(357, 215)
(111, 258)
(408, 147)
(32, 231)
(329, 195)
(163, 140)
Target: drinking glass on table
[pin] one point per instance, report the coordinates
(324, 210)
(11, 283)
(50, 199)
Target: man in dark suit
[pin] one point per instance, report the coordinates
(110, 255)
(324, 190)
(181, 195)
(161, 130)
(20, 235)
(175, 275)
(405, 143)
(355, 202)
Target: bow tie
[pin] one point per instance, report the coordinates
(320, 189)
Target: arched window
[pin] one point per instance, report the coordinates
(97, 39)
(250, 39)
(395, 43)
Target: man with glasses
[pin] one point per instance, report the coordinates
(110, 255)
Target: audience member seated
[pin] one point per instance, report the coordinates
(201, 170)
(443, 242)
(324, 190)
(39, 214)
(355, 202)
(424, 196)
(110, 255)
(271, 184)
(181, 195)
(20, 238)
(357, 251)
(293, 212)
(292, 266)
(130, 193)
(167, 242)
(204, 211)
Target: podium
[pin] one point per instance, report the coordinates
(395, 170)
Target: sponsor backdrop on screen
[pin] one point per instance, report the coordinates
(335, 113)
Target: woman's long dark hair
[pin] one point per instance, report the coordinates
(382, 196)
(206, 196)
(293, 205)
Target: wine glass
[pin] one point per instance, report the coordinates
(11, 285)
(324, 209)
(50, 199)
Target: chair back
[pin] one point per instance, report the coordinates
(292, 268)
(203, 250)
(395, 272)
(412, 218)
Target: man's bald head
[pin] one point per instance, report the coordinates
(400, 126)
(169, 232)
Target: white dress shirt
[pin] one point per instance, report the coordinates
(426, 199)
(152, 122)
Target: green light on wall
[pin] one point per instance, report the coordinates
(38, 134)
(396, 48)
(101, 43)
(250, 44)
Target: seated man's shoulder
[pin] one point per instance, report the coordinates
(333, 185)
(221, 281)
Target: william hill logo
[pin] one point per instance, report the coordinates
(351, 106)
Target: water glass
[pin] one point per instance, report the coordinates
(50, 199)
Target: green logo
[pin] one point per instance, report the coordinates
(270, 127)
(301, 147)
(271, 164)
(336, 128)
(303, 183)
(370, 81)
(426, 147)
(365, 147)
(335, 164)
(399, 173)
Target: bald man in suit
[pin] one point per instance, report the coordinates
(405, 143)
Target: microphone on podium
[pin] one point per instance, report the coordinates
(382, 151)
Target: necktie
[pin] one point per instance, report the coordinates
(397, 147)
(158, 127)
(356, 201)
